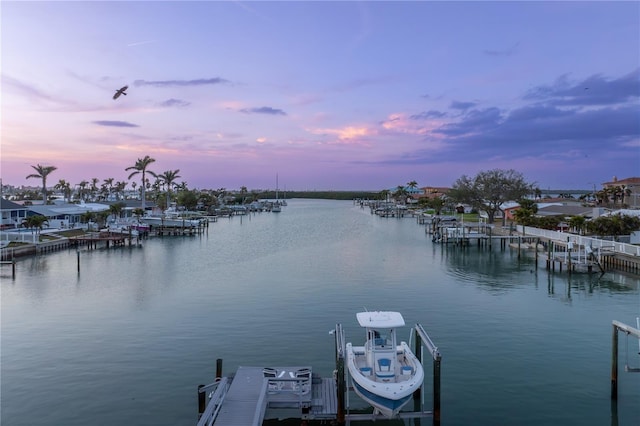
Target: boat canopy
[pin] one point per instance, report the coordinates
(380, 319)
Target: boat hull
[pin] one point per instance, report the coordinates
(385, 406)
(389, 394)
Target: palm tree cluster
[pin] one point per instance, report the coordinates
(612, 196)
(35, 223)
(164, 188)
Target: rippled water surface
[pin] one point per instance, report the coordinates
(126, 340)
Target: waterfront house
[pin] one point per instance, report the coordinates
(12, 214)
(433, 192)
(65, 215)
(631, 188)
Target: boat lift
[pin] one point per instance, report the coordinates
(342, 380)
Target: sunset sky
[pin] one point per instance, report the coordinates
(328, 95)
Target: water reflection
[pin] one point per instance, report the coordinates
(149, 321)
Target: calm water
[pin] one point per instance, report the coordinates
(127, 340)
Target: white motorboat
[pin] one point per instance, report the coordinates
(384, 373)
(170, 221)
(173, 218)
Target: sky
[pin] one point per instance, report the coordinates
(330, 95)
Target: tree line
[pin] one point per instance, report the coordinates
(487, 191)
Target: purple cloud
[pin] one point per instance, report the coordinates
(180, 83)
(594, 90)
(427, 115)
(175, 103)
(263, 110)
(110, 123)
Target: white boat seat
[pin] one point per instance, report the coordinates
(384, 368)
(384, 364)
(272, 373)
(366, 371)
(303, 373)
(384, 374)
(269, 372)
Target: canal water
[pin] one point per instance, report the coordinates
(128, 338)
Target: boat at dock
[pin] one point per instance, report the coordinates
(276, 205)
(174, 218)
(384, 373)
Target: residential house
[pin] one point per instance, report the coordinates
(64, 215)
(12, 214)
(433, 192)
(631, 186)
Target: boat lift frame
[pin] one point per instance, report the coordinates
(342, 380)
(618, 326)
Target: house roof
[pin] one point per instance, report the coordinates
(408, 190)
(128, 204)
(51, 210)
(560, 200)
(626, 181)
(564, 210)
(10, 205)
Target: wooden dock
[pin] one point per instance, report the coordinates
(251, 397)
(92, 239)
(255, 394)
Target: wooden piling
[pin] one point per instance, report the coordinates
(436, 390)
(218, 368)
(569, 249)
(341, 387)
(201, 401)
(417, 350)
(614, 363)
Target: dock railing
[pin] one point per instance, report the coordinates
(214, 395)
(580, 240)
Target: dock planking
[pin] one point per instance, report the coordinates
(251, 397)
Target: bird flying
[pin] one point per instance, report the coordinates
(120, 92)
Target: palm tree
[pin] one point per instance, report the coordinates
(82, 187)
(401, 194)
(35, 222)
(578, 223)
(412, 185)
(108, 185)
(87, 217)
(65, 187)
(120, 187)
(168, 179)
(93, 190)
(43, 172)
(116, 210)
(141, 167)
